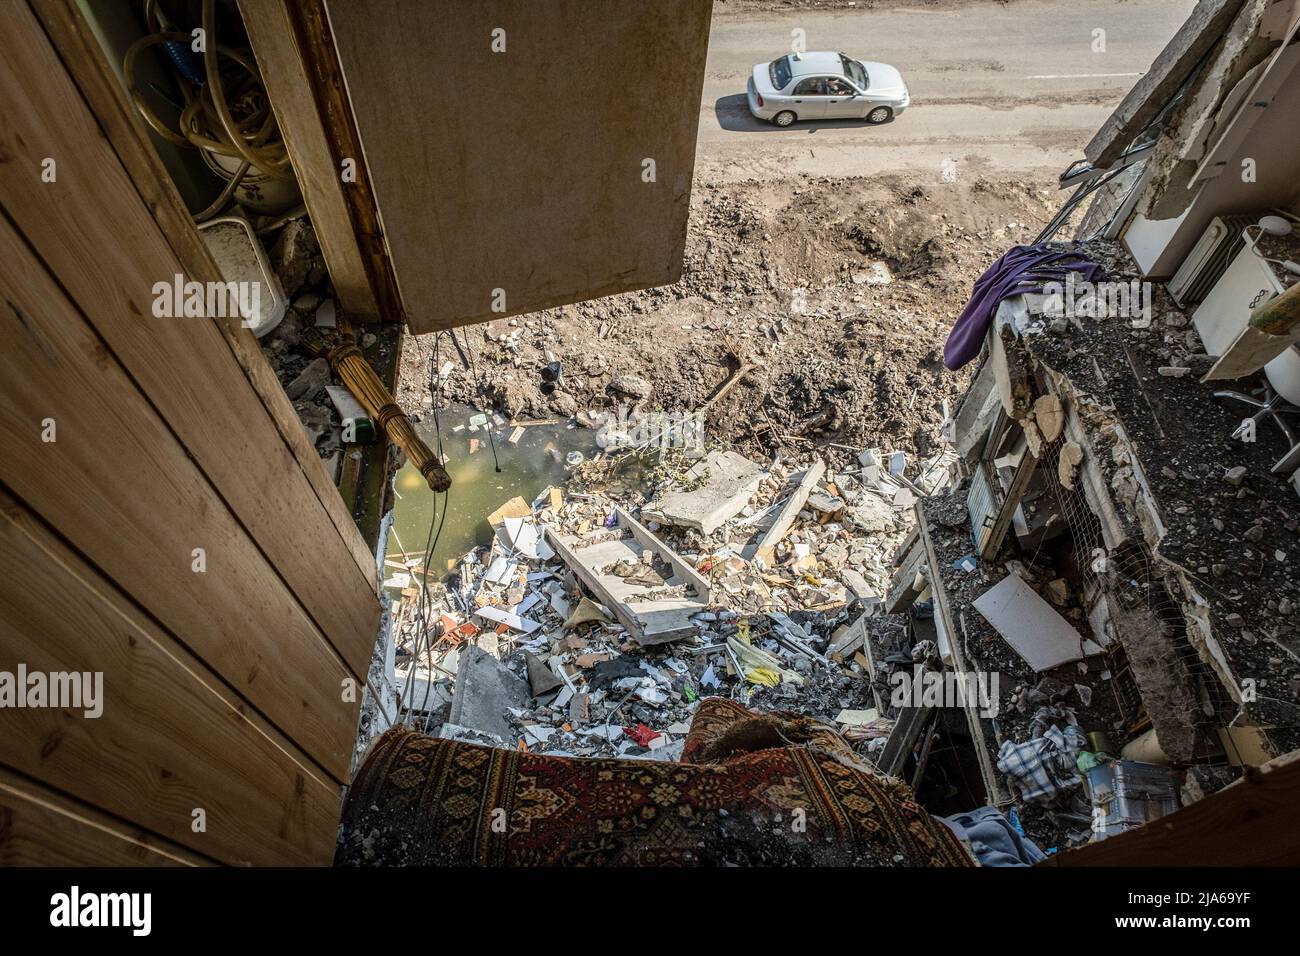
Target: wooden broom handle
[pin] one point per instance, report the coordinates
(352, 367)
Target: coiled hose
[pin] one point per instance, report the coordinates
(206, 121)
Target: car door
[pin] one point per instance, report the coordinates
(808, 98)
(841, 100)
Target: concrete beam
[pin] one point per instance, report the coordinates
(1201, 31)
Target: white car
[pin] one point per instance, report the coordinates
(814, 86)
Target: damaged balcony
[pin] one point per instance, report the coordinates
(1116, 552)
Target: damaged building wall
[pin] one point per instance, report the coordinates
(1255, 169)
(1184, 141)
(1145, 525)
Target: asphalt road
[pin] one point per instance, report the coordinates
(996, 89)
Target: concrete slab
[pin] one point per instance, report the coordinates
(485, 691)
(1203, 28)
(729, 482)
(648, 621)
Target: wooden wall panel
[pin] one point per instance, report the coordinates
(96, 79)
(170, 737)
(522, 170)
(301, 80)
(98, 237)
(121, 489)
(40, 827)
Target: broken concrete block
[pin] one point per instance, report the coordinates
(728, 482)
(1033, 437)
(633, 386)
(1049, 417)
(1068, 465)
(308, 383)
(823, 502)
(871, 515)
(484, 693)
(291, 256)
(856, 583)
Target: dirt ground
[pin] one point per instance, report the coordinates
(839, 291)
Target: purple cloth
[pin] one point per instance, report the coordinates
(1021, 269)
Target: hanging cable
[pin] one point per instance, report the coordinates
(468, 357)
(423, 643)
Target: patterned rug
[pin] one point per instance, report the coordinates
(751, 790)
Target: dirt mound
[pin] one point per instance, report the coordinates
(839, 292)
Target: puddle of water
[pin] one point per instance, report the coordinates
(477, 489)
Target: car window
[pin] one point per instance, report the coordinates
(854, 71)
(779, 71)
(813, 86)
(837, 87)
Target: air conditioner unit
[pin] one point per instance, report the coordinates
(1211, 255)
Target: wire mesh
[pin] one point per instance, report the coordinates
(1131, 581)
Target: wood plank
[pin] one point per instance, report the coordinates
(1006, 512)
(785, 517)
(97, 81)
(41, 827)
(902, 739)
(314, 37)
(902, 590)
(539, 196)
(141, 758)
(1251, 822)
(288, 84)
(96, 235)
(994, 792)
(127, 495)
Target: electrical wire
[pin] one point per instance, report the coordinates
(468, 356)
(437, 519)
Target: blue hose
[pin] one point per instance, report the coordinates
(187, 62)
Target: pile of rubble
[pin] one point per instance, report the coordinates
(833, 294)
(324, 405)
(599, 615)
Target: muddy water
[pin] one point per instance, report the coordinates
(478, 489)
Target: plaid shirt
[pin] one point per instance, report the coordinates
(1043, 769)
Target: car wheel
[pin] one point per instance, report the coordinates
(880, 114)
(784, 118)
